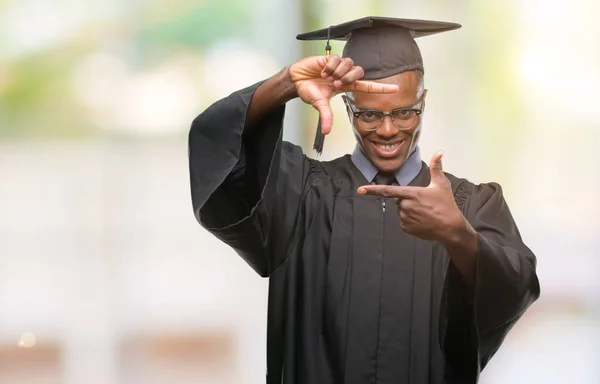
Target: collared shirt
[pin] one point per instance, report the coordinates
(404, 175)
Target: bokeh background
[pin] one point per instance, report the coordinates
(105, 277)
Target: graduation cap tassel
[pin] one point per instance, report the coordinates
(319, 137)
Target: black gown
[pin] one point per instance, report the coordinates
(352, 298)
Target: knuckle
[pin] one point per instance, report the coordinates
(346, 79)
(354, 74)
(333, 61)
(319, 103)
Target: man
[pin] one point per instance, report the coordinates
(415, 280)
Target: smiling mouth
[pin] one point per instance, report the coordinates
(388, 150)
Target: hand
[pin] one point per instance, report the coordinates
(317, 79)
(429, 213)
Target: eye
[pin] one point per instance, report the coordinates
(370, 116)
(403, 114)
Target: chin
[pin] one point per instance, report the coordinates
(389, 165)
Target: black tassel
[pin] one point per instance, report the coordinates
(319, 139)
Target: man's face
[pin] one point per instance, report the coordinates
(387, 147)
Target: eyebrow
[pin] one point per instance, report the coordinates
(373, 109)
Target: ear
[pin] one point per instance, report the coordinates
(424, 96)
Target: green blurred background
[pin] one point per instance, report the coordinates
(105, 277)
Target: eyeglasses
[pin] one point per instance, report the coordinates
(403, 119)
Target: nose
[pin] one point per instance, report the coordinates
(387, 128)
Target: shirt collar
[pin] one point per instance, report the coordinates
(404, 175)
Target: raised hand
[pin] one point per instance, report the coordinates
(429, 213)
(318, 78)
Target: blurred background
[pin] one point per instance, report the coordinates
(105, 277)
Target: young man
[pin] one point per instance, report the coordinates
(382, 269)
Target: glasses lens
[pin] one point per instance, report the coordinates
(370, 119)
(405, 118)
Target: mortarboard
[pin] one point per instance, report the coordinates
(382, 46)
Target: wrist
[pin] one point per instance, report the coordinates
(289, 91)
(462, 245)
(459, 235)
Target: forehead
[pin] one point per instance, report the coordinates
(408, 85)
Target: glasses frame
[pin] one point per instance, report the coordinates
(418, 111)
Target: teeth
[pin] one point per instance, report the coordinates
(388, 148)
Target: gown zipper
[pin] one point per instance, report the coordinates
(383, 205)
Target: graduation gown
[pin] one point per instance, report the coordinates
(352, 298)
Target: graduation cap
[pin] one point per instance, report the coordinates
(382, 46)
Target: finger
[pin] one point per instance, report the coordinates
(403, 217)
(353, 75)
(405, 225)
(346, 65)
(389, 191)
(405, 204)
(325, 114)
(435, 168)
(332, 62)
(370, 87)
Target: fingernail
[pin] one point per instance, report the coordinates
(362, 191)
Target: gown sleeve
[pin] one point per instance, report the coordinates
(506, 285)
(246, 187)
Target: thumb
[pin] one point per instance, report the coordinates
(435, 168)
(325, 114)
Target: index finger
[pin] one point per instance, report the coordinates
(388, 191)
(370, 87)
